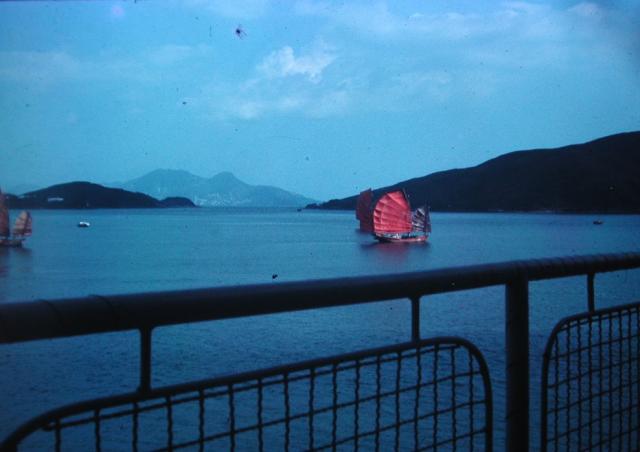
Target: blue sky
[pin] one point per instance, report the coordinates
(321, 98)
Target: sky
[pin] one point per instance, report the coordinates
(320, 98)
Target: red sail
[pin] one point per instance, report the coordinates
(4, 218)
(22, 226)
(392, 214)
(363, 210)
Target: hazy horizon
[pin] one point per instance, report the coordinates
(322, 99)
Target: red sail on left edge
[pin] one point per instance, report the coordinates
(364, 210)
(21, 228)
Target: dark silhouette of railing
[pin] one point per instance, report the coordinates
(421, 370)
(418, 395)
(591, 382)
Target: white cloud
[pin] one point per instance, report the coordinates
(435, 84)
(50, 67)
(365, 17)
(236, 9)
(247, 109)
(330, 103)
(172, 53)
(509, 18)
(525, 7)
(284, 82)
(284, 63)
(588, 10)
(257, 104)
(42, 67)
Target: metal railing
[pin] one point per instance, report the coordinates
(591, 382)
(418, 395)
(44, 319)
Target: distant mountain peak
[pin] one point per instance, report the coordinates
(226, 176)
(222, 189)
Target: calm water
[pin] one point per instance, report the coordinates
(140, 250)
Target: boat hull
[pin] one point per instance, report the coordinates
(401, 239)
(13, 243)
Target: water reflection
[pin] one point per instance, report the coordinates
(4, 261)
(15, 260)
(15, 263)
(394, 253)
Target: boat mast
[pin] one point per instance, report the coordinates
(4, 217)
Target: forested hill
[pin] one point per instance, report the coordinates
(83, 195)
(599, 176)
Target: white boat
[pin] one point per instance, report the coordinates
(83, 224)
(21, 228)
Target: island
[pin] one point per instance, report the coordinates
(87, 195)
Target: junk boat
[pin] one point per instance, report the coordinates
(21, 228)
(391, 218)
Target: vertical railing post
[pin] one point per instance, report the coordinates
(415, 319)
(145, 360)
(517, 345)
(591, 293)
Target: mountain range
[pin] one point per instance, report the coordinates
(599, 176)
(223, 189)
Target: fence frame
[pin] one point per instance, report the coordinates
(548, 356)
(45, 420)
(48, 319)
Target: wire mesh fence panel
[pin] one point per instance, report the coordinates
(591, 382)
(426, 395)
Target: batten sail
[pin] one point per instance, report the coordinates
(392, 214)
(420, 220)
(22, 226)
(364, 210)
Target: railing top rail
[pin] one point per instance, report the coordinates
(47, 319)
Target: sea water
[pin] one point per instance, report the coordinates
(126, 251)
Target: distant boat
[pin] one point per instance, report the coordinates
(598, 222)
(393, 220)
(21, 228)
(83, 224)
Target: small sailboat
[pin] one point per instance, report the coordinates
(393, 220)
(21, 228)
